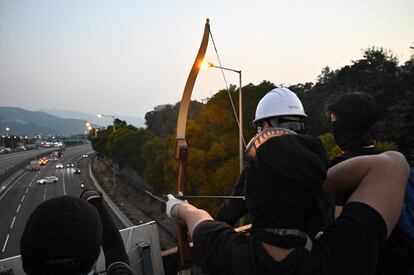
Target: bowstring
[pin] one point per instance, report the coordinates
(227, 86)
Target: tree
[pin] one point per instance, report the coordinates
(163, 122)
(126, 149)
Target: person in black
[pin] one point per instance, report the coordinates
(279, 108)
(64, 235)
(353, 116)
(286, 180)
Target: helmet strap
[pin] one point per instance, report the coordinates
(288, 123)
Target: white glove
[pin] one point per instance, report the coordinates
(171, 203)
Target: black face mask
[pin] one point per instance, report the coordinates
(348, 136)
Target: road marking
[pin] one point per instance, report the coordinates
(44, 194)
(18, 209)
(5, 243)
(23, 198)
(15, 181)
(64, 188)
(27, 190)
(11, 226)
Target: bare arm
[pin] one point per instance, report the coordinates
(378, 181)
(190, 215)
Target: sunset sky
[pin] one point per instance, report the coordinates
(125, 57)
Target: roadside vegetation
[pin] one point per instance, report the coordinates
(212, 132)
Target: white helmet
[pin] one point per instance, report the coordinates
(279, 102)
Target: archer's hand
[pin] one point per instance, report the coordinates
(171, 203)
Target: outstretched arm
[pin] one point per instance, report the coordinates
(377, 180)
(186, 213)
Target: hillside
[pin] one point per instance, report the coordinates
(93, 118)
(24, 122)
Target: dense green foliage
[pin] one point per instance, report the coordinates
(212, 132)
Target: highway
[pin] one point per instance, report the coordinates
(20, 199)
(11, 159)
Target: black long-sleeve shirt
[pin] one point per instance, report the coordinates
(116, 258)
(232, 210)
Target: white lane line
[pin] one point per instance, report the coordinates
(15, 181)
(18, 209)
(14, 219)
(64, 187)
(27, 190)
(5, 243)
(23, 198)
(44, 195)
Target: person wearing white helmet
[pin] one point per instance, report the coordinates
(279, 108)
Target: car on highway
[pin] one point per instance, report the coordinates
(76, 171)
(34, 165)
(70, 164)
(85, 155)
(21, 148)
(50, 179)
(59, 166)
(4, 150)
(43, 161)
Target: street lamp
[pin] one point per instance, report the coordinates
(206, 65)
(113, 117)
(7, 131)
(89, 128)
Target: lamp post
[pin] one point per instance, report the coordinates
(113, 117)
(241, 139)
(87, 125)
(7, 131)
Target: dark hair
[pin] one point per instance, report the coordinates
(355, 107)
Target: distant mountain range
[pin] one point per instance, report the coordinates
(24, 122)
(94, 119)
(53, 121)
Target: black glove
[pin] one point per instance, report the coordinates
(90, 194)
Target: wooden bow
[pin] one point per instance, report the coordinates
(181, 151)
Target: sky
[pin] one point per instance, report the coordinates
(125, 57)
